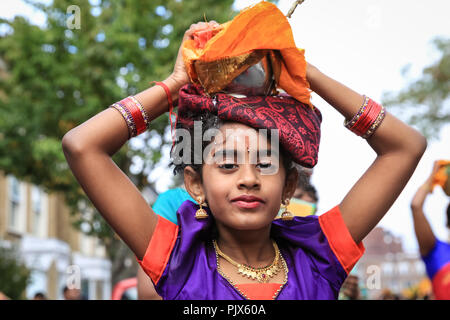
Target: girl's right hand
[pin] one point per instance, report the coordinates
(179, 75)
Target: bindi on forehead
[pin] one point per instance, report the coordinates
(243, 143)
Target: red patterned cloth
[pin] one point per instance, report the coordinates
(298, 123)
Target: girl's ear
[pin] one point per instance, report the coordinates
(290, 184)
(193, 183)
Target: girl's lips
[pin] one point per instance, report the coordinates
(247, 204)
(247, 201)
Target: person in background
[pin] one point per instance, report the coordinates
(39, 296)
(387, 294)
(435, 253)
(307, 195)
(350, 288)
(168, 202)
(305, 198)
(72, 294)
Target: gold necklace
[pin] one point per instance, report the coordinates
(260, 274)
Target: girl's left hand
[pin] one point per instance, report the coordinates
(179, 74)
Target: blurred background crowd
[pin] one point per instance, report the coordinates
(63, 61)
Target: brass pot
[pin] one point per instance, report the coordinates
(250, 74)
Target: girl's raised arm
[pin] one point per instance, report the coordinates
(88, 149)
(398, 147)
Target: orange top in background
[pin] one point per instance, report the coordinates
(259, 27)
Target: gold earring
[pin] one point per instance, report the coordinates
(286, 215)
(201, 213)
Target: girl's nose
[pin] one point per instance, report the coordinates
(248, 177)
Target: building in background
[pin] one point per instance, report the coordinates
(385, 265)
(40, 226)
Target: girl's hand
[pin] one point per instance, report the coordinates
(179, 76)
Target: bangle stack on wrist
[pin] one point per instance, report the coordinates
(134, 114)
(367, 119)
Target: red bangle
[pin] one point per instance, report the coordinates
(376, 124)
(167, 90)
(371, 114)
(371, 117)
(366, 119)
(136, 113)
(170, 101)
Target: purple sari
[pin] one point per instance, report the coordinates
(181, 261)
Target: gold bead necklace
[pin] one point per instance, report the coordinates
(260, 274)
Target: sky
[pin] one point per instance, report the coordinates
(363, 44)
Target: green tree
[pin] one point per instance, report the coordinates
(424, 102)
(14, 275)
(53, 78)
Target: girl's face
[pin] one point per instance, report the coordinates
(243, 178)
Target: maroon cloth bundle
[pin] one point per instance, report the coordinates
(298, 123)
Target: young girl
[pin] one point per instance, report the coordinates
(228, 246)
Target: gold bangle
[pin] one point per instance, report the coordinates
(348, 124)
(132, 130)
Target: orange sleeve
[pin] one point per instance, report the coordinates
(346, 250)
(159, 249)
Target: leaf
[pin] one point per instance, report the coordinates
(424, 103)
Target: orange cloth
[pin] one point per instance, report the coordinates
(346, 250)
(259, 291)
(159, 249)
(259, 27)
(441, 176)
